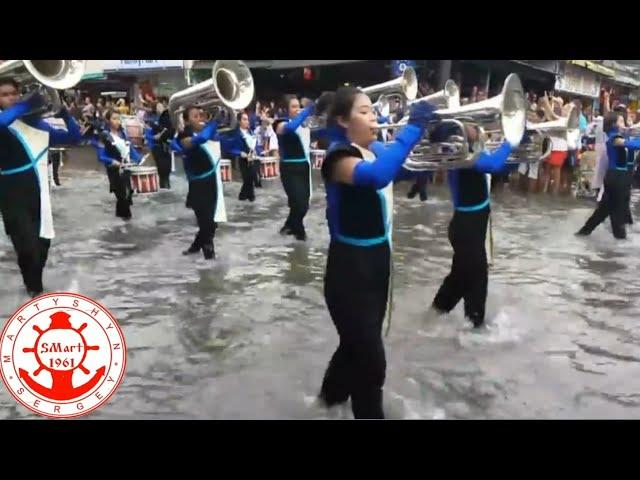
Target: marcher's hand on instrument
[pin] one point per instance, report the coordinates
(116, 163)
(35, 100)
(306, 102)
(210, 129)
(244, 155)
(422, 113)
(63, 113)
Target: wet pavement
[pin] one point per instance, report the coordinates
(248, 336)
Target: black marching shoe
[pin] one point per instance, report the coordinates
(476, 321)
(581, 233)
(191, 250)
(286, 230)
(209, 252)
(301, 235)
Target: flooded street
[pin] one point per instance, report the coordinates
(249, 336)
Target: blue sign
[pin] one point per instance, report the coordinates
(398, 66)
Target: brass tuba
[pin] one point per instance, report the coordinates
(404, 87)
(229, 90)
(504, 114)
(537, 145)
(47, 76)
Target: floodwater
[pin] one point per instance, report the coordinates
(248, 336)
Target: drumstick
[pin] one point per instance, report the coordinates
(144, 158)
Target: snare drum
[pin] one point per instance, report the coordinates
(225, 170)
(269, 167)
(143, 179)
(317, 157)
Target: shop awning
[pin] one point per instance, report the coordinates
(93, 76)
(626, 80)
(276, 64)
(594, 67)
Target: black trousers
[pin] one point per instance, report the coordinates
(54, 158)
(356, 288)
(614, 204)
(469, 274)
(202, 199)
(249, 179)
(162, 157)
(120, 186)
(628, 218)
(21, 215)
(295, 180)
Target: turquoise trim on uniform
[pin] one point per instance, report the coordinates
(34, 161)
(368, 242)
(474, 208)
(361, 242)
(208, 173)
(622, 169)
(202, 175)
(294, 160)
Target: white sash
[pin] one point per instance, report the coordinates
(35, 142)
(122, 145)
(304, 133)
(213, 151)
(249, 139)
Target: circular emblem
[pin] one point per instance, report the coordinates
(62, 355)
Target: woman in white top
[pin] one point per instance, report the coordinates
(552, 170)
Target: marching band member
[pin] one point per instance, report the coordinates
(114, 152)
(359, 210)
(201, 155)
(24, 182)
(295, 166)
(614, 200)
(468, 230)
(158, 134)
(241, 143)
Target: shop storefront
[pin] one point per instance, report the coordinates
(579, 82)
(165, 76)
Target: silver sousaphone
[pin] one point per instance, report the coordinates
(46, 76)
(229, 90)
(504, 114)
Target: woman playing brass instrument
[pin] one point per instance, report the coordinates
(358, 173)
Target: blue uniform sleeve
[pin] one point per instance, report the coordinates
(389, 160)
(58, 136)
(148, 136)
(10, 115)
(632, 143)
(135, 154)
(493, 162)
(103, 157)
(292, 125)
(383, 119)
(209, 132)
(176, 146)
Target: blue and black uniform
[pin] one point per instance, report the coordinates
(24, 189)
(236, 143)
(356, 284)
(202, 167)
(114, 146)
(295, 171)
(617, 184)
(467, 233)
(160, 147)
